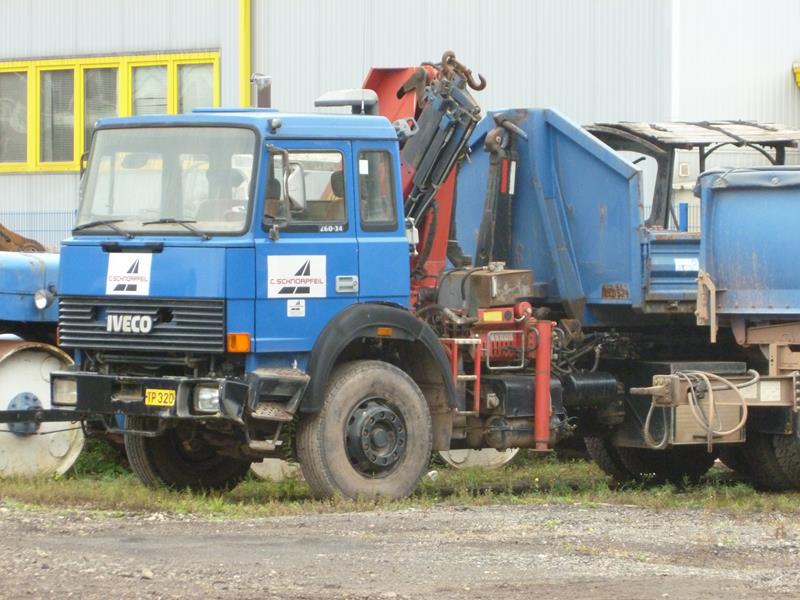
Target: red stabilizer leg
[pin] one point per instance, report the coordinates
(541, 399)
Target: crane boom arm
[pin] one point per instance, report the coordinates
(434, 125)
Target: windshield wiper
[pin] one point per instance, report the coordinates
(185, 223)
(110, 223)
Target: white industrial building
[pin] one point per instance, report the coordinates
(64, 64)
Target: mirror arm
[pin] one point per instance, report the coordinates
(274, 231)
(83, 163)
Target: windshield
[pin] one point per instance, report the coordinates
(180, 175)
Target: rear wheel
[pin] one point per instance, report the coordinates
(678, 464)
(605, 455)
(733, 457)
(372, 437)
(179, 458)
(765, 469)
(787, 455)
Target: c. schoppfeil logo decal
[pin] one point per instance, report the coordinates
(128, 274)
(303, 274)
(296, 277)
(129, 287)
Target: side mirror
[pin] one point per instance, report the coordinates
(295, 186)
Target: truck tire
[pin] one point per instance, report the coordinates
(765, 470)
(676, 465)
(605, 455)
(372, 437)
(787, 455)
(733, 457)
(178, 460)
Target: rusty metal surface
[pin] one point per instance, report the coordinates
(707, 132)
(11, 241)
(451, 67)
(615, 291)
(749, 245)
(783, 333)
(674, 235)
(9, 347)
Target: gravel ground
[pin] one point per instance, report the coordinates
(509, 552)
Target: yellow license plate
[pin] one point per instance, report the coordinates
(159, 397)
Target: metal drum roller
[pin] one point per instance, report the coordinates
(275, 469)
(488, 458)
(29, 448)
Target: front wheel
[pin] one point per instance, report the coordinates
(373, 436)
(179, 458)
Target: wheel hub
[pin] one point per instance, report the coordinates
(24, 401)
(375, 437)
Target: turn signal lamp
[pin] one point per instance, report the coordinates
(492, 316)
(239, 342)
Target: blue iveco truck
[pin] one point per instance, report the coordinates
(243, 284)
(221, 258)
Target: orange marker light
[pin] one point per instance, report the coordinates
(384, 331)
(239, 342)
(492, 316)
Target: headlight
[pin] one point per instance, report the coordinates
(65, 391)
(43, 298)
(206, 398)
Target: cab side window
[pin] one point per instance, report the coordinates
(376, 191)
(323, 175)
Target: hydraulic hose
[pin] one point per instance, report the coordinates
(709, 422)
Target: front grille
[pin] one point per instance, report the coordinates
(179, 325)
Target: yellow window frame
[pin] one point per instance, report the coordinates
(124, 65)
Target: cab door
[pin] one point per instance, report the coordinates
(310, 272)
(382, 243)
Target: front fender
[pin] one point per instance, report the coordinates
(362, 321)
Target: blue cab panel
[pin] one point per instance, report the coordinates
(750, 242)
(183, 268)
(177, 271)
(576, 223)
(21, 274)
(283, 288)
(304, 278)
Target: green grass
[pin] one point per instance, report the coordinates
(98, 482)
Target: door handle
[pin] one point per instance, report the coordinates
(346, 284)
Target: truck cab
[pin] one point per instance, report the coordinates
(213, 253)
(192, 208)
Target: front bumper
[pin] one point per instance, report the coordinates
(100, 395)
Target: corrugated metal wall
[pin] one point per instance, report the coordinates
(43, 28)
(67, 28)
(735, 60)
(592, 60)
